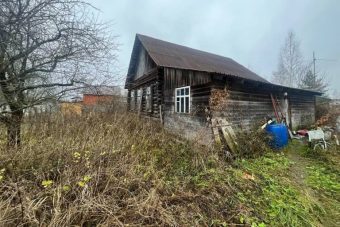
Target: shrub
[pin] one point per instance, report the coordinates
(252, 143)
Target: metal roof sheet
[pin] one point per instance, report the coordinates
(168, 54)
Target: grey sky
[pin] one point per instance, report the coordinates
(251, 32)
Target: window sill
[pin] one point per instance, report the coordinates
(182, 113)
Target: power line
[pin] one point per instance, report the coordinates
(319, 59)
(325, 59)
(314, 59)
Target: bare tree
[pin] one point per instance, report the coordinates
(291, 68)
(46, 47)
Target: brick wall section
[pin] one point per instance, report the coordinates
(89, 100)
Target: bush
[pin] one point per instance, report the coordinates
(252, 143)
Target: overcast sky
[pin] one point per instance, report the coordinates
(251, 32)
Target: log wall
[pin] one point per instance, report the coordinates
(192, 125)
(302, 108)
(249, 103)
(138, 103)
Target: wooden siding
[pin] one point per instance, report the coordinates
(248, 104)
(144, 64)
(302, 108)
(243, 109)
(194, 124)
(199, 83)
(152, 79)
(174, 78)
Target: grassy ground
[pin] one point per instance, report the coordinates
(318, 175)
(115, 171)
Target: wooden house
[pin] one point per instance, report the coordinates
(180, 86)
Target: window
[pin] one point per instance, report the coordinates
(132, 100)
(148, 99)
(139, 99)
(182, 100)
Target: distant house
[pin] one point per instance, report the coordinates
(95, 99)
(180, 85)
(100, 98)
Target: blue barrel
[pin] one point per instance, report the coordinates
(279, 133)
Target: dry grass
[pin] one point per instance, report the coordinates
(115, 170)
(107, 170)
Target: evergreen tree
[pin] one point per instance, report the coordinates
(315, 83)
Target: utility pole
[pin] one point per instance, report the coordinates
(314, 59)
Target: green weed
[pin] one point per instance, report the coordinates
(273, 199)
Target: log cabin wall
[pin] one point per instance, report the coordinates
(245, 103)
(191, 125)
(157, 68)
(145, 95)
(145, 88)
(302, 108)
(249, 103)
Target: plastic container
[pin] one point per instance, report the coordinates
(279, 134)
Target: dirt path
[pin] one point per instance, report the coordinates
(299, 174)
(298, 169)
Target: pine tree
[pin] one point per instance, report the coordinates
(315, 83)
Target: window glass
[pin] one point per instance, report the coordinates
(187, 104)
(182, 100)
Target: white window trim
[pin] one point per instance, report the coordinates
(148, 99)
(182, 96)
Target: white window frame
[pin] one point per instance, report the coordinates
(180, 97)
(148, 99)
(132, 100)
(139, 99)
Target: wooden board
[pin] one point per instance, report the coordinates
(229, 139)
(227, 131)
(215, 131)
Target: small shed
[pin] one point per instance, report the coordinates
(185, 88)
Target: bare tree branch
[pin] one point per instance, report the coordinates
(46, 46)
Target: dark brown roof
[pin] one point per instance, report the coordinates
(168, 54)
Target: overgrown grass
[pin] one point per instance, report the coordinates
(323, 175)
(324, 179)
(105, 170)
(114, 170)
(275, 200)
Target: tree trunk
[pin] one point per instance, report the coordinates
(14, 129)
